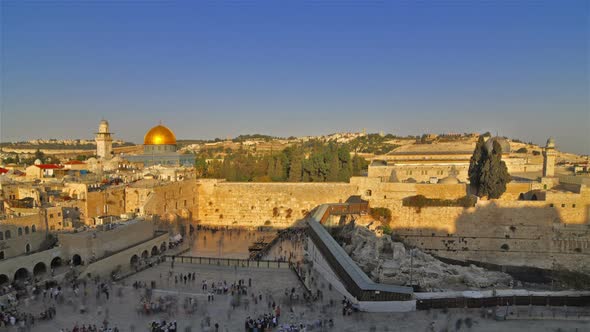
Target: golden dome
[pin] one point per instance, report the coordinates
(159, 135)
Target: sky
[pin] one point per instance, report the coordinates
(211, 69)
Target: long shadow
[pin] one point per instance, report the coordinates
(530, 242)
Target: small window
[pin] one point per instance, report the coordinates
(26, 229)
(7, 235)
(551, 205)
(562, 205)
(33, 229)
(59, 214)
(20, 231)
(1, 236)
(51, 215)
(1, 254)
(573, 205)
(28, 248)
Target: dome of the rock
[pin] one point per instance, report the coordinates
(159, 135)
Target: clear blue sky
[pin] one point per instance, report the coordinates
(215, 69)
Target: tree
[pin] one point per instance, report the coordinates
(295, 167)
(201, 167)
(359, 164)
(476, 162)
(494, 175)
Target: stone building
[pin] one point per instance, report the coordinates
(429, 163)
(104, 141)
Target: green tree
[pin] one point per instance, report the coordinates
(201, 167)
(476, 162)
(40, 155)
(494, 174)
(359, 164)
(295, 167)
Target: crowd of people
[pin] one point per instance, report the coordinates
(79, 294)
(263, 323)
(160, 304)
(163, 326)
(90, 328)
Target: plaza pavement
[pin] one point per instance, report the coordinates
(122, 312)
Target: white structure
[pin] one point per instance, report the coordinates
(549, 155)
(104, 141)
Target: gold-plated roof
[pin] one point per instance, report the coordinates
(159, 135)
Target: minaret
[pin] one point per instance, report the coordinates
(549, 154)
(104, 141)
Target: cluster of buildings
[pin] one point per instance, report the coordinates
(57, 214)
(449, 162)
(80, 213)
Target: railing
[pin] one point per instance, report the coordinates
(231, 262)
(539, 300)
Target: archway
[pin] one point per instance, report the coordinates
(39, 269)
(56, 262)
(154, 251)
(134, 260)
(4, 279)
(144, 254)
(534, 198)
(163, 247)
(521, 197)
(76, 260)
(21, 274)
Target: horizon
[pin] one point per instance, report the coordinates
(212, 70)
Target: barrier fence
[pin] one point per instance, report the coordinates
(266, 264)
(463, 302)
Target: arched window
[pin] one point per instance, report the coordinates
(20, 231)
(1, 236)
(7, 235)
(28, 248)
(33, 229)
(26, 229)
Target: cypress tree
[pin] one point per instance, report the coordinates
(494, 174)
(476, 163)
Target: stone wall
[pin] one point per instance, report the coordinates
(20, 232)
(110, 201)
(258, 204)
(104, 267)
(177, 198)
(520, 233)
(94, 245)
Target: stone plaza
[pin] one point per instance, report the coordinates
(123, 309)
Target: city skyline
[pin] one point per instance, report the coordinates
(212, 70)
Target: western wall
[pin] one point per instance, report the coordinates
(272, 204)
(551, 232)
(507, 232)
